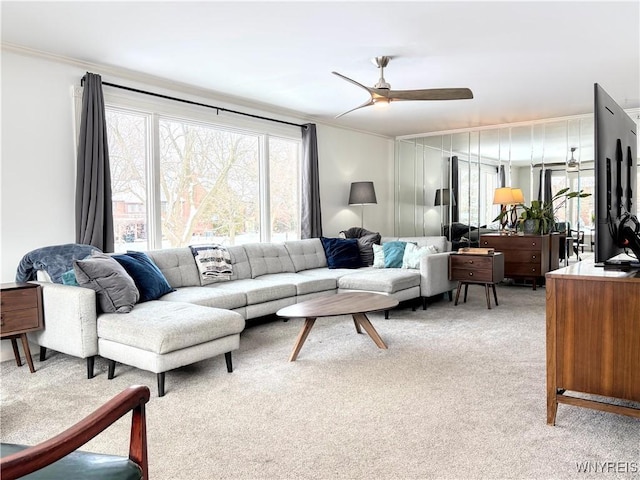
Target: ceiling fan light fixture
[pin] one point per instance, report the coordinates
(381, 102)
(573, 164)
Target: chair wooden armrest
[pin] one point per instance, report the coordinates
(38, 456)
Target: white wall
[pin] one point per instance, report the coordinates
(38, 162)
(38, 166)
(345, 157)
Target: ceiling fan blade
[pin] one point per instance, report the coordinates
(365, 104)
(352, 81)
(429, 94)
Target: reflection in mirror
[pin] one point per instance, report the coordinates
(469, 164)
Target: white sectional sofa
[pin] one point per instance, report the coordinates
(200, 320)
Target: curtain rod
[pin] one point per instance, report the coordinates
(176, 99)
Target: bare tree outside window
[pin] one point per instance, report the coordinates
(128, 152)
(284, 174)
(209, 183)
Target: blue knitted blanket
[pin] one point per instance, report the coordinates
(55, 260)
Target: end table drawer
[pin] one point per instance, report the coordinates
(19, 299)
(13, 320)
(467, 275)
(466, 261)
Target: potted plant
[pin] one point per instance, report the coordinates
(539, 217)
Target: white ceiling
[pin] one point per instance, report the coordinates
(523, 60)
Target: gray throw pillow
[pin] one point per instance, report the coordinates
(365, 244)
(115, 289)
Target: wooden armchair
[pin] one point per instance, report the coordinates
(56, 458)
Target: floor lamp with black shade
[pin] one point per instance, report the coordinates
(362, 193)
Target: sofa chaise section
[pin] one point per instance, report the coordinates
(160, 336)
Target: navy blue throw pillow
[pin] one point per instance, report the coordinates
(341, 253)
(149, 280)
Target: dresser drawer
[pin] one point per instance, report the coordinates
(523, 256)
(523, 269)
(19, 299)
(13, 321)
(513, 243)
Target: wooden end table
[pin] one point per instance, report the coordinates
(21, 312)
(356, 304)
(467, 268)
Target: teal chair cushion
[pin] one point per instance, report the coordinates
(81, 465)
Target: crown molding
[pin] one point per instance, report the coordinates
(632, 112)
(147, 80)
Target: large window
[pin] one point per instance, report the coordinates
(179, 182)
(579, 212)
(478, 182)
(128, 134)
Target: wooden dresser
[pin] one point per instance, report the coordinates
(525, 256)
(593, 334)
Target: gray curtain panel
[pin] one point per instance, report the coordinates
(540, 182)
(547, 185)
(94, 217)
(455, 209)
(544, 186)
(310, 215)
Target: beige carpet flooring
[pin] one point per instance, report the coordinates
(459, 394)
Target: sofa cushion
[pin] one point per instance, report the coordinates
(115, 289)
(177, 265)
(268, 258)
(208, 296)
(325, 272)
(260, 290)
(386, 281)
(365, 245)
(304, 284)
(69, 278)
(366, 239)
(413, 254)
(393, 254)
(306, 254)
(439, 242)
(213, 263)
(240, 262)
(163, 327)
(148, 278)
(341, 252)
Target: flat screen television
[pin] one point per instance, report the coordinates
(616, 195)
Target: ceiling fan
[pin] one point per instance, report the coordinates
(571, 165)
(381, 92)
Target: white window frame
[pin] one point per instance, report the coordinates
(157, 109)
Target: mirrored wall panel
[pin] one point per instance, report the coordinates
(446, 182)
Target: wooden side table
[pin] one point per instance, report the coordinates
(468, 268)
(20, 312)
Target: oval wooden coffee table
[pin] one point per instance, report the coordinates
(356, 304)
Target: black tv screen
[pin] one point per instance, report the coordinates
(616, 176)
